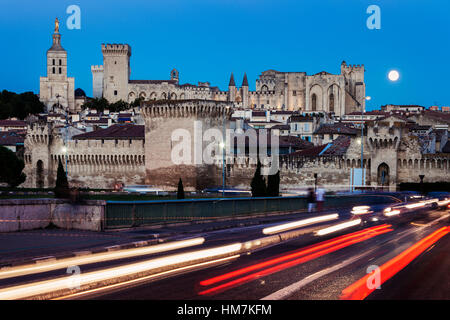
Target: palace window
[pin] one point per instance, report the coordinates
(53, 62)
(331, 102)
(314, 102)
(59, 70)
(53, 69)
(115, 92)
(294, 93)
(60, 62)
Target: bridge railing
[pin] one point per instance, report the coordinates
(122, 214)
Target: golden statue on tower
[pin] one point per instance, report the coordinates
(56, 25)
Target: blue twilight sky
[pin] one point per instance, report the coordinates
(206, 40)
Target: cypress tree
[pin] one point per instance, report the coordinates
(273, 185)
(62, 185)
(180, 192)
(258, 183)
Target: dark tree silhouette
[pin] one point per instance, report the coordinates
(273, 185)
(258, 183)
(62, 185)
(11, 168)
(180, 192)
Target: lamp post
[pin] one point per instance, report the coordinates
(64, 150)
(223, 146)
(362, 137)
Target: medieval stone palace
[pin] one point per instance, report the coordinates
(315, 118)
(338, 94)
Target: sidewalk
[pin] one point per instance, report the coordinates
(28, 246)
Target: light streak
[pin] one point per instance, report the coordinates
(300, 223)
(415, 205)
(339, 227)
(392, 213)
(303, 256)
(146, 278)
(359, 290)
(48, 286)
(98, 257)
(361, 210)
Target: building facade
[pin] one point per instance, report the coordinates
(295, 91)
(56, 90)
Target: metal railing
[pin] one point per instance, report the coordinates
(122, 214)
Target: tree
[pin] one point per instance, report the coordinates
(12, 167)
(180, 192)
(258, 183)
(98, 104)
(19, 105)
(136, 102)
(273, 185)
(62, 185)
(119, 106)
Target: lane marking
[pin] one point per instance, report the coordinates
(286, 265)
(292, 255)
(291, 289)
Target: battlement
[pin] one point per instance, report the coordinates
(258, 81)
(270, 93)
(116, 49)
(186, 108)
(352, 67)
(97, 68)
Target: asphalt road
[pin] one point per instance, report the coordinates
(322, 277)
(311, 266)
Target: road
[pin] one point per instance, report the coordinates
(309, 267)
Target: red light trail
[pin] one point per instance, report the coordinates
(292, 259)
(359, 290)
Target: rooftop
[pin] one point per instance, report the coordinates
(336, 128)
(117, 131)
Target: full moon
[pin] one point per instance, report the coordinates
(393, 75)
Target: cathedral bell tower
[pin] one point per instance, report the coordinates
(57, 90)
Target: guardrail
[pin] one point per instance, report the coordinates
(122, 214)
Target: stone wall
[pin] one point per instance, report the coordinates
(29, 214)
(90, 163)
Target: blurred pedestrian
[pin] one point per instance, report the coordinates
(311, 200)
(320, 198)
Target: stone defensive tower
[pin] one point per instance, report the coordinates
(170, 125)
(97, 81)
(37, 156)
(383, 141)
(354, 86)
(116, 73)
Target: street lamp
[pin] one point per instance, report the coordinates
(222, 145)
(64, 151)
(368, 98)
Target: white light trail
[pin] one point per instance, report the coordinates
(98, 257)
(48, 286)
(300, 223)
(339, 227)
(392, 213)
